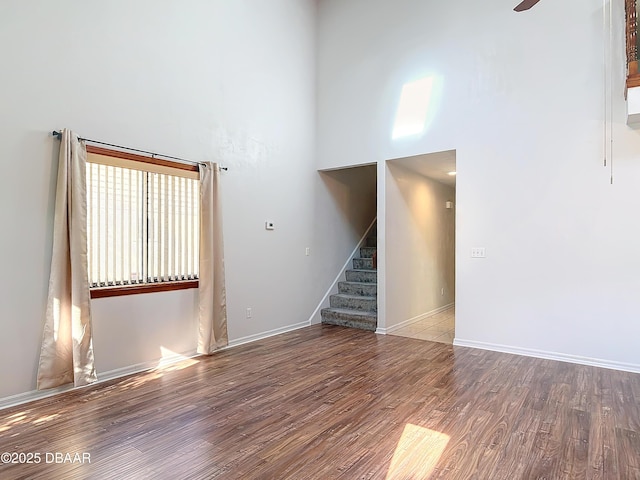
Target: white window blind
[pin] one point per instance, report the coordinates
(142, 222)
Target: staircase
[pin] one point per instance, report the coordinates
(356, 303)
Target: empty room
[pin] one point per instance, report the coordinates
(315, 239)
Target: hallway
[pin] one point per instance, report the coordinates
(436, 328)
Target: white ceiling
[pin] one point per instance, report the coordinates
(433, 165)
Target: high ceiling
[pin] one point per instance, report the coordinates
(432, 165)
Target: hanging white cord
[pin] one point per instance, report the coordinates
(604, 79)
(611, 87)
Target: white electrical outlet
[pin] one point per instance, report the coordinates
(307, 251)
(442, 292)
(269, 225)
(478, 252)
(249, 313)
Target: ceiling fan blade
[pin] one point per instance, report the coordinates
(526, 5)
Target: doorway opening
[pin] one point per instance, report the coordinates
(420, 227)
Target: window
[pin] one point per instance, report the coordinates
(142, 223)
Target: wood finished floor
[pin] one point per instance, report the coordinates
(329, 402)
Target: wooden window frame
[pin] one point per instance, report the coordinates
(121, 290)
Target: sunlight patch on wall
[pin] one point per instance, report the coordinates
(417, 453)
(174, 361)
(413, 108)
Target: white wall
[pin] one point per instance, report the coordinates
(229, 81)
(521, 101)
(138, 329)
(420, 245)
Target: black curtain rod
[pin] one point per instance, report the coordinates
(153, 154)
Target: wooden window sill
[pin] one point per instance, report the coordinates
(117, 291)
(633, 80)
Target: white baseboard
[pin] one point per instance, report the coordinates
(33, 395)
(263, 335)
(145, 366)
(561, 357)
(417, 318)
(26, 397)
(333, 289)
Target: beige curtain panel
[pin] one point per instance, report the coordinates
(66, 355)
(211, 292)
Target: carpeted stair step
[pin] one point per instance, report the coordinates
(358, 288)
(354, 302)
(363, 263)
(350, 318)
(367, 252)
(366, 276)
